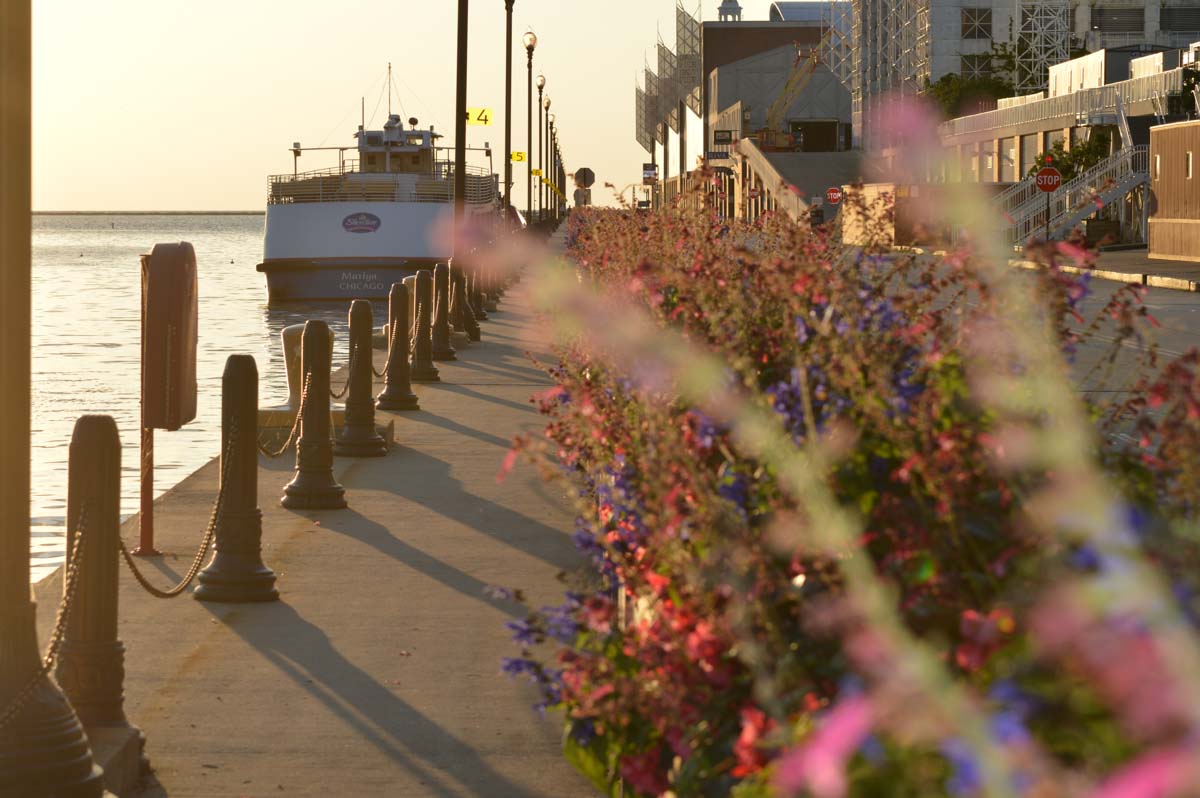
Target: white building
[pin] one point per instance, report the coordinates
(903, 45)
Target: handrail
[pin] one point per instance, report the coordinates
(774, 182)
(338, 185)
(1079, 104)
(1077, 193)
(1013, 197)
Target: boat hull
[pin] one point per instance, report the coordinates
(350, 250)
(303, 281)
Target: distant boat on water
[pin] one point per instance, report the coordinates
(350, 231)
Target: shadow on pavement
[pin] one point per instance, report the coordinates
(303, 653)
(438, 491)
(353, 525)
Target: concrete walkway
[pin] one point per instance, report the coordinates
(377, 674)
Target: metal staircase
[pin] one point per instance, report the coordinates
(1010, 199)
(1108, 181)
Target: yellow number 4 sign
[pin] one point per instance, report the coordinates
(518, 157)
(479, 116)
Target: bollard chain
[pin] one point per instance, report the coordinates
(391, 347)
(209, 533)
(294, 435)
(354, 356)
(70, 589)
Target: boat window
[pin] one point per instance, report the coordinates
(374, 139)
(416, 141)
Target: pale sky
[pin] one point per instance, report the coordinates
(174, 105)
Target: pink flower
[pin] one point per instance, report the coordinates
(982, 635)
(820, 765)
(703, 645)
(598, 613)
(510, 460)
(750, 756)
(1156, 774)
(644, 771)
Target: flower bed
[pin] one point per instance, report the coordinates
(852, 530)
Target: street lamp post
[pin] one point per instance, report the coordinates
(530, 40)
(460, 124)
(551, 199)
(541, 87)
(508, 79)
(546, 149)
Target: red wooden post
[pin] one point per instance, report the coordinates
(145, 547)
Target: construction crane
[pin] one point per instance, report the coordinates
(772, 137)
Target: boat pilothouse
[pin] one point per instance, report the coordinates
(350, 231)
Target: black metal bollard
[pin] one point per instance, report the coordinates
(490, 296)
(91, 662)
(397, 388)
(442, 309)
(475, 294)
(358, 436)
(313, 487)
(457, 317)
(237, 572)
(461, 313)
(423, 369)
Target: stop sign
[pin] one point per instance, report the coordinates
(1048, 179)
(833, 195)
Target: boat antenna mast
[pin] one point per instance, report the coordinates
(389, 89)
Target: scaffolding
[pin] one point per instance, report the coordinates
(668, 88)
(881, 48)
(641, 130)
(1042, 40)
(654, 107)
(688, 65)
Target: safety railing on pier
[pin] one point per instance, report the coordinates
(348, 184)
(1078, 105)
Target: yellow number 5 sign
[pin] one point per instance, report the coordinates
(479, 116)
(518, 157)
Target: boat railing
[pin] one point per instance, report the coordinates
(346, 184)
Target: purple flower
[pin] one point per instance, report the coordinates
(524, 632)
(707, 430)
(516, 666)
(1008, 728)
(873, 751)
(965, 777)
(561, 623)
(1086, 558)
(583, 731)
(734, 488)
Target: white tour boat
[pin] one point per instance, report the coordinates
(350, 231)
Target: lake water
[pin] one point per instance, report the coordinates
(86, 345)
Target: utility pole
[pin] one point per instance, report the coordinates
(508, 77)
(42, 746)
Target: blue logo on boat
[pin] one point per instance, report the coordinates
(361, 223)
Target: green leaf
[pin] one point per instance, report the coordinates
(593, 761)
